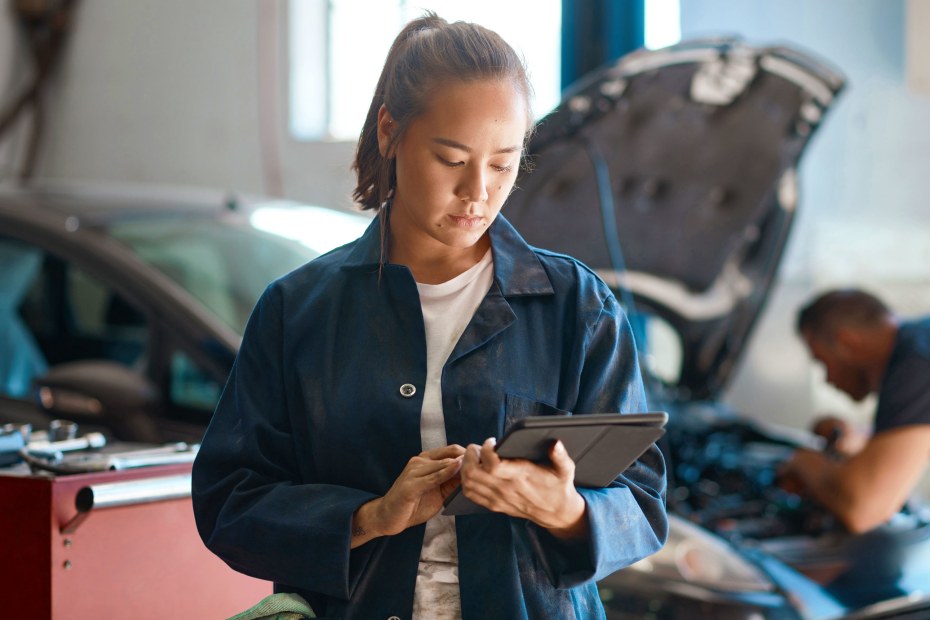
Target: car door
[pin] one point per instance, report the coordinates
(59, 310)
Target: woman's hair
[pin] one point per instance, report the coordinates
(427, 53)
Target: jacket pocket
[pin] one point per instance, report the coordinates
(519, 407)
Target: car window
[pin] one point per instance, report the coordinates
(53, 312)
(226, 264)
(190, 386)
(21, 357)
(71, 315)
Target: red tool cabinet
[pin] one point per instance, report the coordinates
(137, 560)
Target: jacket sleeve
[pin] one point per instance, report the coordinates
(249, 508)
(627, 520)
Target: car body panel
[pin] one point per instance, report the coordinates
(155, 319)
(672, 174)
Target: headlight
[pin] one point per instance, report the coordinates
(696, 556)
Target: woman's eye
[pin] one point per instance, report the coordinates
(451, 164)
(503, 169)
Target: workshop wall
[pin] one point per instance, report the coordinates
(11, 79)
(195, 93)
(181, 93)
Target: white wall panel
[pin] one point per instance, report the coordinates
(918, 46)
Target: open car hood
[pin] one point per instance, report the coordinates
(672, 174)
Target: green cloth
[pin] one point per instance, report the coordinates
(279, 606)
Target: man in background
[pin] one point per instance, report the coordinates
(865, 347)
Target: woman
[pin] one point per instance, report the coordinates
(362, 374)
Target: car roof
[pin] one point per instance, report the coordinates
(101, 204)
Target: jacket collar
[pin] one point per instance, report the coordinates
(517, 269)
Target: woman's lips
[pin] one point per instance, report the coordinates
(466, 221)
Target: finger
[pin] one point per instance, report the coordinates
(449, 470)
(456, 464)
(562, 465)
(789, 483)
(472, 458)
(445, 452)
(419, 467)
(489, 457)
(449, 485)
(424, 478)
(481, 494)
(496, 501)
(472, 471)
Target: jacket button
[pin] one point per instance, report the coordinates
(394, 618)
(407, 390)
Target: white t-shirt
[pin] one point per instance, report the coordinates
(447, 309)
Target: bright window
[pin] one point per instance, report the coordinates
(337, 49)
(663, 23)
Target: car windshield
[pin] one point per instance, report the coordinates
(227, 262)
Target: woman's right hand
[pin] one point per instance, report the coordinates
(415, 497)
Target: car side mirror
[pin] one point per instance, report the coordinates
(103, 393)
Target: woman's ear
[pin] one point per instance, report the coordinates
(386, 128)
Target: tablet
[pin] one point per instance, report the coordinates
(602, 445)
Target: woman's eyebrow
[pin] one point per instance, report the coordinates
(458, 145)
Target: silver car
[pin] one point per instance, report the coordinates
(122, 308)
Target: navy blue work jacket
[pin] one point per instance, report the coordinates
(313, 423)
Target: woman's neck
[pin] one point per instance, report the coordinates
(432, 262)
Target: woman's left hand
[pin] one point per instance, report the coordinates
(544, 494)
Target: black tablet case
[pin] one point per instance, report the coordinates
(602, 446)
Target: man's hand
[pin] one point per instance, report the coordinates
(866, 489)
(544, 494)
(841, 436)
(804, 471)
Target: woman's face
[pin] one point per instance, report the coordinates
(456, 163)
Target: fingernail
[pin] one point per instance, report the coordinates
(559, 446)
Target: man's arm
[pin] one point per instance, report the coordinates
(868, 488)
(841, 436)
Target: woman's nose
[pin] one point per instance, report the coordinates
(473, 185)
